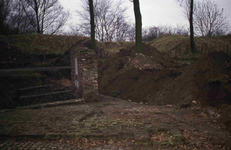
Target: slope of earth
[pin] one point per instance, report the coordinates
(40, 44)
(156, 78)
(137, 76)
(207, 81)
(114, 47)
(178, 45)
(34, 50)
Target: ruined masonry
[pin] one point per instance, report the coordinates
(84, 73)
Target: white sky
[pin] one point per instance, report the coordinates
(154, 12)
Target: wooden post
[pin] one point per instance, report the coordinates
(44, 55)
(201, 49)
(227, 48)
(176, 51)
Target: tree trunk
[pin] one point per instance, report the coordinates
(139, 45)
(192, 44)
(36, 8)
(93, 45)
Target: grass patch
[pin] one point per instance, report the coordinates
(115, 94)
(32, 42)
(186, 60)
(216, 82)
(115, 47)
(168, 42)
(22, 79)
(179, 46)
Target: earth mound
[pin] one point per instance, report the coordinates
(156, 78)
(212, 76)
(137, 76)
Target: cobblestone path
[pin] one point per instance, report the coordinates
(12, 144)
(111, 124)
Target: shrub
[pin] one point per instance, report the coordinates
(115, 93)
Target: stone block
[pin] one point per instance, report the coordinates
(84, 76)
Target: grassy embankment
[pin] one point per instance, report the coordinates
(178, 46)
(175, 45)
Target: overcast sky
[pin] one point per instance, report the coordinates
(154, 12)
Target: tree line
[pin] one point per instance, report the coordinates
(108, 20)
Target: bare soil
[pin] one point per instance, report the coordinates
(156, 78)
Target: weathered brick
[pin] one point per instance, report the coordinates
(86, 72)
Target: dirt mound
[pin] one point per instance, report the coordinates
(156, 78)
(211, 74)
(136, 76)
(206, 81)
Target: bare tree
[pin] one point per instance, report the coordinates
(5, 9)
(92, 22)
(121, 30)
(45, 16)
(138, 18)
(150, 33)
(181, 30)
(209, 19)
(19, 20)
(188, 6)
(131, 33)
(109, 19)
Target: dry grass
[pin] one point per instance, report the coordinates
(174, 45)
(39, 44)
(114, 47)
(178, 45)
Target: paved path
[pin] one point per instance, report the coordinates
(110, 124)
(13, 144)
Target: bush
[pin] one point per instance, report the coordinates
(115, 93)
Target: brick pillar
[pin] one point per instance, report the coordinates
(90, 75)
(86, 73)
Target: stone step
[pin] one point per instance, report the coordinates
(45, 97)
(53, 104)
(35, 89)
(45, 94)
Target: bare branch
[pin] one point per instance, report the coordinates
(106, 17)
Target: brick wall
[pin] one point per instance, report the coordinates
(84, 77)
